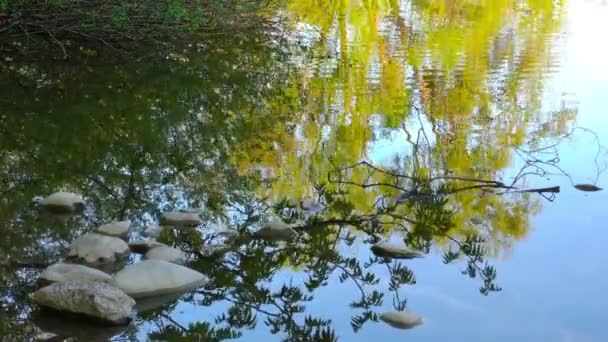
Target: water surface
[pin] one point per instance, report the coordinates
(245, 127)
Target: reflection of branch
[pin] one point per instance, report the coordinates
(354, 279)
(527, 157)
(237, 302)
(174, 322)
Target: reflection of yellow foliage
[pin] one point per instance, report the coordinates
(475, 68)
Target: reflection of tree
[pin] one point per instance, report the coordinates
(135, 138)
(148, 136)
(473, 73)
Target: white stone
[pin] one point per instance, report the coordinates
(157, 277)
(116, 228)
(93, 299)
(391, 250)
(166, 253)
(143, 246)
(61, 272)
(401, 319)
(275, 230)
(63, 202)
(95, 248)
(180, 219)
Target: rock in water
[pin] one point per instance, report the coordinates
(166, 253)
(401, 319)
(180, 219)
(155, 302)
(94, 248)
(275, 230)
(153, 231)
(588, 187)
(143, 246)
(63, 203)
(390, 250)
(117, 228)
(311, 206)
(92, 299)
(190, 210)
(62, 272)
(216, 250)
(77, 329)
(157, 277)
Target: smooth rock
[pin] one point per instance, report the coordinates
(94, 248)
(117, 228)
(153, 231)
(143, 246)
(275, 230)
(391, 250)
(62, 272)
(157, 277)
(166, 253)
(92, 299)
(63, 202)
(180, 219)
(401, 319)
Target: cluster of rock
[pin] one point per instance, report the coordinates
(77, 286)
(398, 319)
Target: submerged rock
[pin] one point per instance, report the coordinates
(476, 220)
(391, 250)
(63, 202)
(153, 231)
(94, 248)
(92, 299)
(62, 272)
(143, 246)
(213, 250)
(117, 228)
(401, 319)
(76, 329)
(155, 302)
(275, 230)
(190, 210)
(311, 206)
(166, 253)
(157, 277)
(180, 219)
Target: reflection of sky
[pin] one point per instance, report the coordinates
(553, 284)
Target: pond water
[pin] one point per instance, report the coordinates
(462, 104)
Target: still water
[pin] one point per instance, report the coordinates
(446, 94)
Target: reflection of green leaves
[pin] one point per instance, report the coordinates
(358, 321)
(400, 275)
(201, 331)
(450, 256)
